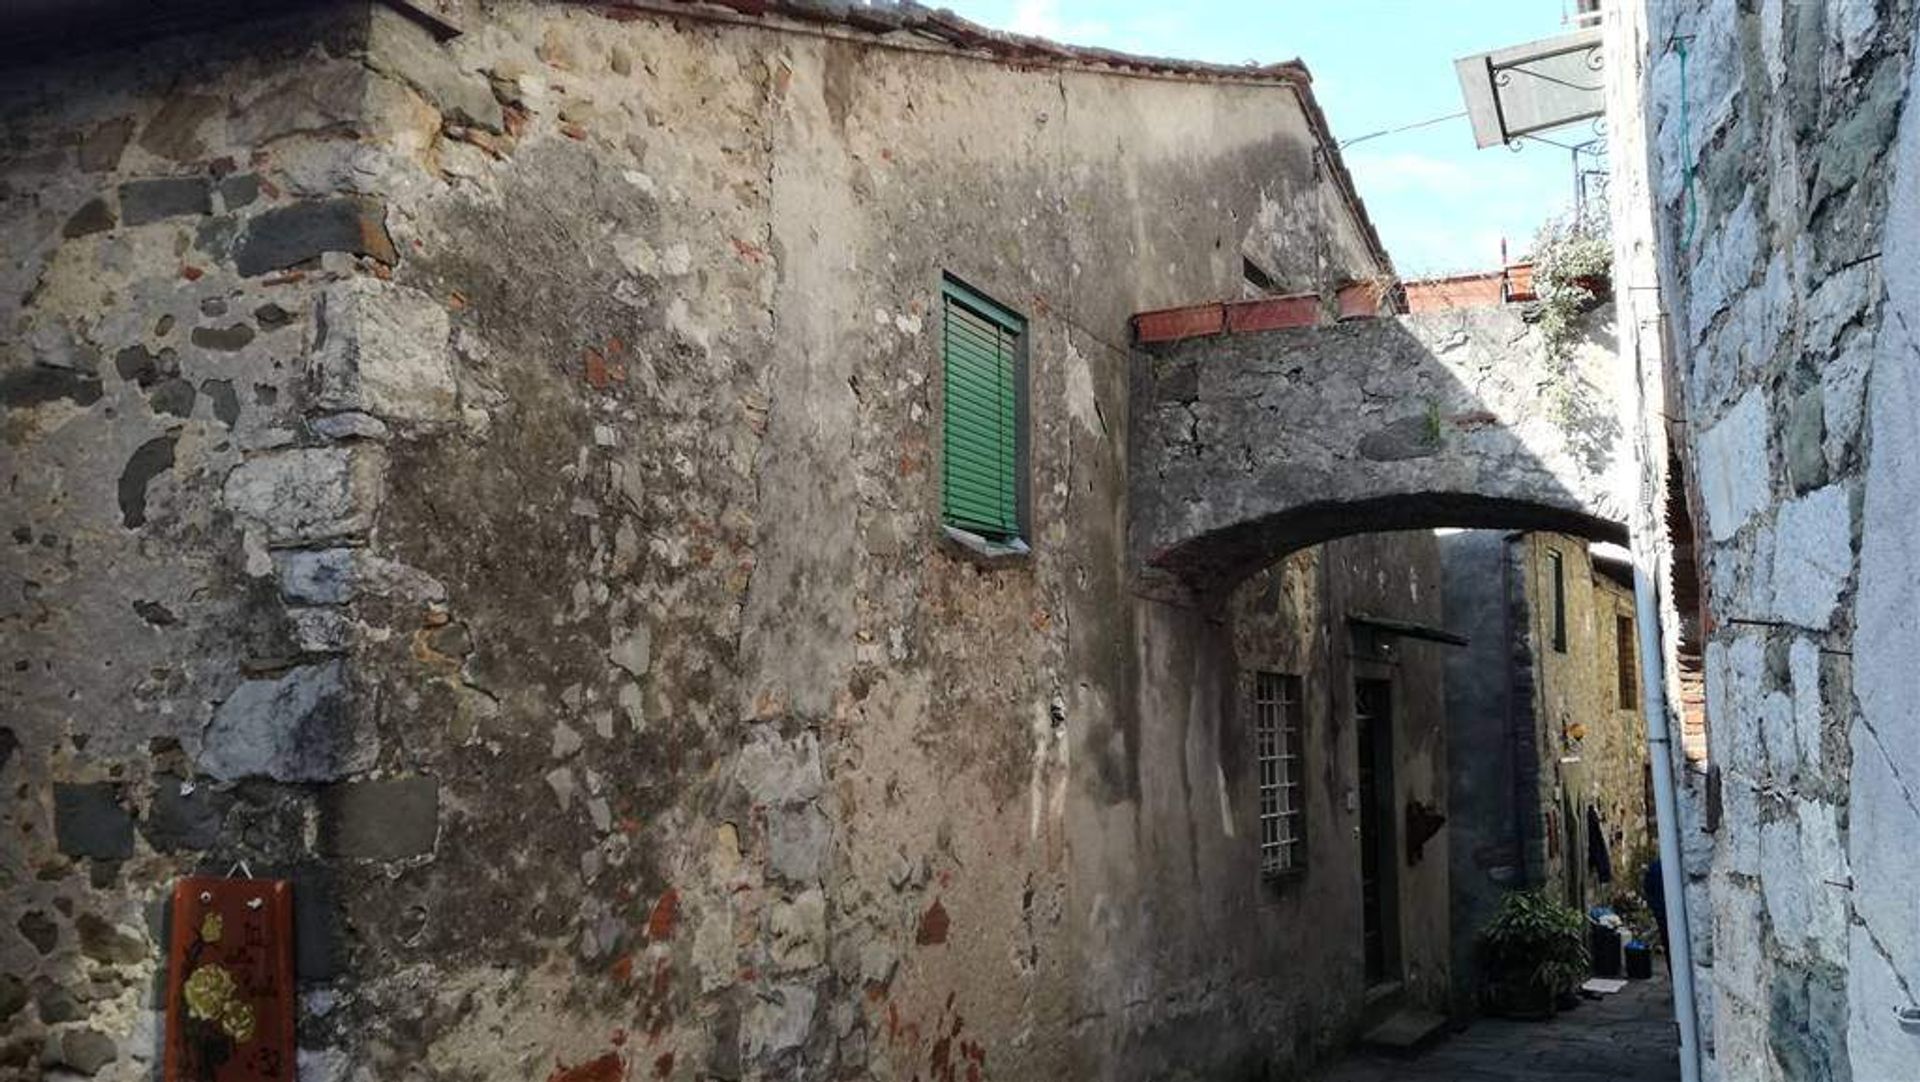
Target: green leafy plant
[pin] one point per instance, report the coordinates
(1572, 272)
(1536, 951)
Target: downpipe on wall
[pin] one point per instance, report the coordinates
(1666, 807)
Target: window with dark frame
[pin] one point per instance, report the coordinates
(1624, 641)
(1278, 716)
(983, 444)
(1557, 568)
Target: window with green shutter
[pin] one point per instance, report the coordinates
(983, 460)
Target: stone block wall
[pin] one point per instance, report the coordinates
(1776, 222)
(1578, 685)
(492, 483)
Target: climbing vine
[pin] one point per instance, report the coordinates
(1572, 272)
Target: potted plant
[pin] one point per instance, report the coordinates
(1536, 953)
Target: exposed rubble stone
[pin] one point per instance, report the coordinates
(183, 816)
(103, 941)
(94, 216)
(143, 201)
(39, 929)
(291, 235)
(306, 495)
(86, 1051)
(380, 820)
(295, 727)
(90, 821)
(382, 349)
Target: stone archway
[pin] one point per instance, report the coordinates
(1248, 446)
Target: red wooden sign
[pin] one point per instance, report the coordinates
(230, 981)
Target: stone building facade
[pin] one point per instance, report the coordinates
(1765, 163)
(1591, 736)
(1540, 725)
(492, 481)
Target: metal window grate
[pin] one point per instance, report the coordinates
(982, 447)
(1278, 750)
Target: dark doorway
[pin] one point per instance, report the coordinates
(1379, 891)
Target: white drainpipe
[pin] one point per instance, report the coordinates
(1666, 807)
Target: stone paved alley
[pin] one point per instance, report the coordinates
(1627, 1037)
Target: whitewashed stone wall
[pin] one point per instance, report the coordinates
(1765, 231)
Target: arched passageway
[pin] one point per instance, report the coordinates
(1290, 483)
(1248, 446)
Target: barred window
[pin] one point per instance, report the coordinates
(1278, 744)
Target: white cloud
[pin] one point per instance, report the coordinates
(1042, 18)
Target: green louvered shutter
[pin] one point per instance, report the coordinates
(980, 490)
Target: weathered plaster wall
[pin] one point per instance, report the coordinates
(494, 484)
(1493, 824)
(1397, 575)
(1780, 188)
(1283, 959)
(1257, 442)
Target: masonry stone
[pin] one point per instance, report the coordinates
(299, 233)
(776, 771)
(304, 495)
(13, 996)
(1813, 556)
(798, 838)
(409, 53)
(1805, 440)
(1733, 456)
(799, 932)
(388, 819)
(382, 349)
(294, 727)
(183, 816)
(86, 1051)
(1724, 265)
(350, 425)
(779, 1020)
(1836, 304)
(108, 943)
(144, 201)
(94, 216)
(53, 1002)
(316, 576)
(91, 820)
(39, 929)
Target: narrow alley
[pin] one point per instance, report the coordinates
(1625, 1037)
(853, 541)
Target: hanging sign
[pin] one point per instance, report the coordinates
(230, 981)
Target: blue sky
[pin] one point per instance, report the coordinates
(1439, 204)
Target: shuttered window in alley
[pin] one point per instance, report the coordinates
(1624, 643)
(1557, 574)
(983, 461)
(1278, 746)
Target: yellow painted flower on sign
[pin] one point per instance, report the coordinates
(214, 996)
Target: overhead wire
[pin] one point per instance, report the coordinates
(1427, 123)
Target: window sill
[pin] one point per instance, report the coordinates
(984, 552)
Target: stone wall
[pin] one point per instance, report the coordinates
(1513, 704)
(1252, 443)
(1589, 746)
(493, 484)
(1779, 170)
